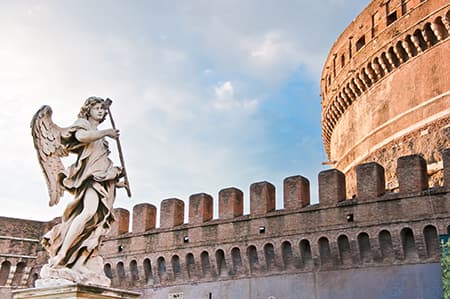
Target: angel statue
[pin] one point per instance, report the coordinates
(73, 244)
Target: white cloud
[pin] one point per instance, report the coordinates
(224, 90)
(225, 99)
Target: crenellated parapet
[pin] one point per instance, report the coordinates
(386, 76)
(377, 227)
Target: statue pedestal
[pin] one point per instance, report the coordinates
(75, 291)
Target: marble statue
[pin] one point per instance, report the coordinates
(73, 244)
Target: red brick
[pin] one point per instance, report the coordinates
(412, 173)
(200, 208)
(331, 187)
(144, 217)
(262, 198)
(172, 212)
(296, 192)
(370, 181)
(231, 203)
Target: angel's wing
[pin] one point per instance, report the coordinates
(47, 141)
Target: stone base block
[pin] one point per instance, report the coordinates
(75, 291)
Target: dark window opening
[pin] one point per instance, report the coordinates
(360, 43)
(391, 18)
(404, 7)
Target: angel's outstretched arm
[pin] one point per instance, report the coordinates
(87, 136)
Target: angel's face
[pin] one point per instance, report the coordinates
(97, 112)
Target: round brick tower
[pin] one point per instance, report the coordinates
(386, 88)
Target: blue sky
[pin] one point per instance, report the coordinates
(207, 94)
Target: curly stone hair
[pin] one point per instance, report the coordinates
(91, 101)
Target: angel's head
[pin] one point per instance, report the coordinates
(89, 105)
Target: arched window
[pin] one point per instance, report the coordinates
(441, 27)
(4, 272)
(344, 249)
(411, 47)
(18, 274)
(190, 265)
(221, 263)
(386, 62)
(429, 33)
(237, 260)
(286, 250)
(394, 57)
(121, 273)
(408, 243)
(419, 37)
(120, 270)
(162, 270)
(206, 266)
(269, 254)
(401, 51)
(431, 240)
(252, 258)
(148, 274)
(108, 271)
(176, 267)
(305, 253)
(385, 240)
(364, 247)
(324, 250)
(134, 271)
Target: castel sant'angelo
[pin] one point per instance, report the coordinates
(382, 204)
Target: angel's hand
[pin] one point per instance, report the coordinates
(121, 184)
(122, 172)
(112, 133)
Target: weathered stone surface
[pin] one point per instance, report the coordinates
(75, 291)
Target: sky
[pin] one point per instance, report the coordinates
(207, 94)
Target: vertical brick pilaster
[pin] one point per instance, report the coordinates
(200, 208)
(172, 212)
(262, 198)
(144, 217)
(296, 192)
(331, 187)
(231, 203)
(412, 173)
(122, 223)
(370, 181)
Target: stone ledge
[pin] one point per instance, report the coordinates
(75, 291)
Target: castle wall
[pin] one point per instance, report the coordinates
(380, 243)
(378, 233)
